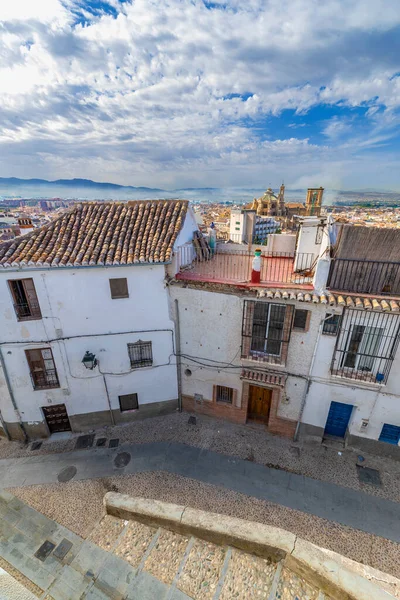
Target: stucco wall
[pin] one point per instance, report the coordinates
(210, 327)
(211, 330)
(378, 403)
(77, 302)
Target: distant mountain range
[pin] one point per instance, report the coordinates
(87, 189)
(73, 183)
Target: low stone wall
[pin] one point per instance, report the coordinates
(314, 564)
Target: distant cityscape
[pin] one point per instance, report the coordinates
(22, 214)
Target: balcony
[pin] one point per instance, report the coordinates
(232, 264)
(364, 276)
(27, 311)
(44, 380)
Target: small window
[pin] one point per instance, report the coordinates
(237, 222)
(140, 354)
(331, 324)
(25, 300)
(301, 319)
(119, 288)
(42, 368)
(128, 402)
(224, 394)
(237, 228)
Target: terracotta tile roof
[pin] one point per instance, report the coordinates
(360, 302)
(101, 233)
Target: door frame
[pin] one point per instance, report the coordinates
(346, 433)
(275, 397)
(46, 422)
(261, 387)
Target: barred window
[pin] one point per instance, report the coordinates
(42, 368)
(331, 324)
(366, 345)
(140, 354)
(224, 394)
(26, 304)
(266, 331)
(128, 402)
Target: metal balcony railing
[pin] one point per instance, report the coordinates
(25, 310)
(364, 276)
(228, 264)
(42, 380)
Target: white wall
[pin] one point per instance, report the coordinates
(378, 403)
(211, 330)
(78, 301)
(236, 232)
(210, 326)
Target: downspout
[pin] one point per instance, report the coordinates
(4, 426)
(303, 401)
(178, 355)
(108, 400)
(10, 391)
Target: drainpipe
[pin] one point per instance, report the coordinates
(109, 401)
(10, 391)
(303, 401)
(4, 426)
(178, 355)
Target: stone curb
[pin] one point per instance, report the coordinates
(305, 559)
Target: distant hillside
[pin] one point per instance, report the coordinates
(72, 183)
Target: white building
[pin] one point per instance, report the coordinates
(311, 350)
(246, 225)
(93, 280)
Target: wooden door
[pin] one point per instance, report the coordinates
(259, 403)
(57, 418)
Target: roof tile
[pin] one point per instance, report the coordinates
(101, 233)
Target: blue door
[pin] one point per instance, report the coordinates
(338, 419)
(390, 434)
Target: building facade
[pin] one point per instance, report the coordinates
(306, 358)
(87, 335)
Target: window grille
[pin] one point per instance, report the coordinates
(366, 345)
(224, 394)
(266, 331)
(331, 324)
(26, 304)
(140, 354)
(42, 368)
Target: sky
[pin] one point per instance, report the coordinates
(199, 93)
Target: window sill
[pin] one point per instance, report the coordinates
(119, 297)
(19, 319)
(266, 359)
(46, 387)
(136, 367)
(130, 410)
(357, 378)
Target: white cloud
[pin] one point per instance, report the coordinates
(160, 92)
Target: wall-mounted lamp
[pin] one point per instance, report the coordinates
(89, 360)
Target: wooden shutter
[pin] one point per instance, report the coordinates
(119, 288)
(35, 360)
(31, 296)
(247, 327)
(287, 327)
